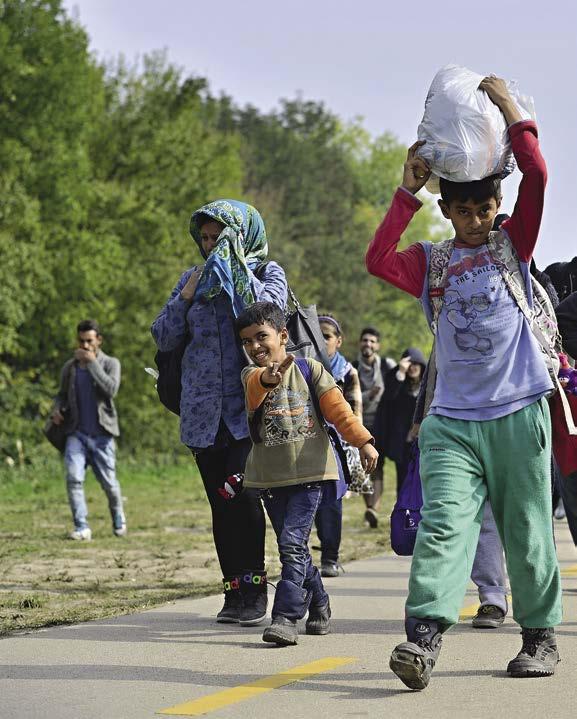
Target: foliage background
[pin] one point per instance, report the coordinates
(100, 169)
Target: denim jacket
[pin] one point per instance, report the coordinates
(212, 361)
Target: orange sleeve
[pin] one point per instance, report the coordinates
(337, 411)
(255, 392)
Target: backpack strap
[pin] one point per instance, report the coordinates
(334, 437)
(259, 270)
(306, 372)
(439, 259)
(541, 317)
(437, 277)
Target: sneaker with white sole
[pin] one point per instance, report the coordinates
(120, 531)
(81, 535)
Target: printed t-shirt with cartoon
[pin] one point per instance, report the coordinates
(295, 447)
(489, 363)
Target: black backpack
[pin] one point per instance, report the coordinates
(168, 383)
(305, 335)
(305, 340)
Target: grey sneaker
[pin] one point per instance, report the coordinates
(331, 569)
(282, 631)
(538, 656)
(81, 535)
(488, 616)
(120, 531)
(414, 660)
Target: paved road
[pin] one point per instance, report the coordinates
(177, 660)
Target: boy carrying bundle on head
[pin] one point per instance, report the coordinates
(487, 432)
(292, 460)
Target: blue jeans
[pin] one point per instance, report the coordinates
(329, 524)
(292, 511)
(99, 453)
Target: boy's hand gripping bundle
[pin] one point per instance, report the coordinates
(465, 133)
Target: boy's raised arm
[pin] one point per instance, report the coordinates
(405, 270)
(523, 225)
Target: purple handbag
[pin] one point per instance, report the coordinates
(406, 513)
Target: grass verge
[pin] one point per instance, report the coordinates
(47, 579)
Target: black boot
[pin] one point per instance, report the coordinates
(413, 660)
(319, 620)
(254, 598)
(282, 631)
(538, 656)
(230, 612)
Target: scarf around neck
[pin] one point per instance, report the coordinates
(340, 367)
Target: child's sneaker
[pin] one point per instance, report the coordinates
(538, 656)
(319, 620)
(413, 660)
(488, 616)
(81, 535)
(120, 531)
(282, 631)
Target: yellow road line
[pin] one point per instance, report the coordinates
(470, 611)
(212, 702)
(570, 571)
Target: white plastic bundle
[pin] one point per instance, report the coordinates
(465, 132)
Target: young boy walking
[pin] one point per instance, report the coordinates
(487, 432)
(292, 460)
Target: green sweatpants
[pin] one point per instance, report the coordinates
(461, 462)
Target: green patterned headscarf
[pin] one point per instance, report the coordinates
(242, 240)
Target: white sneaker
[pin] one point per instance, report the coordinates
(80, 535)
(120, 532)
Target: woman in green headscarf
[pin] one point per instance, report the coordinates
(232, 240)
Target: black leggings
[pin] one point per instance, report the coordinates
(238, 524)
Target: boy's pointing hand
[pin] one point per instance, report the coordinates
(416, 172)
(274, 371)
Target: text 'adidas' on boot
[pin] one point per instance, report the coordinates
(538, 656)
(230, 612)
(253, 590)
(413, 660)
